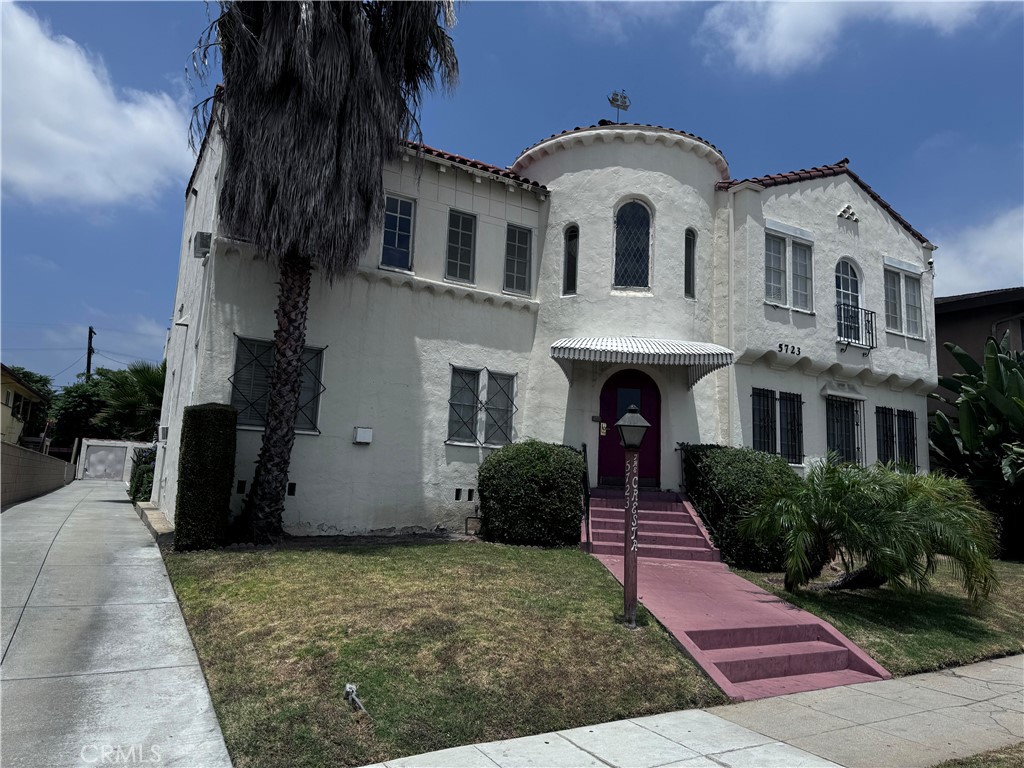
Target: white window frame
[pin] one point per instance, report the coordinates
(472, 247)
(907, 312)
(318, 378)
(510, 259)
(412, 232)
(895, 306)
(788, 270)
(482, 417)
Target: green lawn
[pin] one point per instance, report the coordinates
(449, 643)
(919, 632)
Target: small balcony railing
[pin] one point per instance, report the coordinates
(855, 325)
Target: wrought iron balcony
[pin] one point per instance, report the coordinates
(855, 325)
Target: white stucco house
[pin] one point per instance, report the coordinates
(609, 265)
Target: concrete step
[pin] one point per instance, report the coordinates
(659, 551)
(620, 504)
(619, 494)
(740, 637)
(649, 515)
(645, 537)
(758, 662)
(682, 527)
(815, 681)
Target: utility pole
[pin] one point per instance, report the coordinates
(88, 355)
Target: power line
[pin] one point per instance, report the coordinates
(54, 376)
(40, 349)
(125, 362)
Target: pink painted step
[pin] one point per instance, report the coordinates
(751, 643)
(692, 541)
(660, 552)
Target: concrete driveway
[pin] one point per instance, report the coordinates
(98, 667)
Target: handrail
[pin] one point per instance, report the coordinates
(855, 325)
(586, 492)
(690, 467)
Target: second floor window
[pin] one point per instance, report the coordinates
(571, 266)
(398, 217)
(632, 246)
(847, 302)
(903, 304)
(690, 265)
(798, 290)
(461, 246)
(517, 259)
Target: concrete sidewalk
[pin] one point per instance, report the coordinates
(98, 667)
(912, 722)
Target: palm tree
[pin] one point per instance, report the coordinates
(131, 399)
(316, 98)
(883, 525)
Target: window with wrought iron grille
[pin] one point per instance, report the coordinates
(896, 437)
(848, 314)
(250, 384)
(483, 420)
(398, 221)
(690, 265)
(632, 246)
(763, 405)
(571, 265)
(461, 246)
(844, 428)
(517, 259)
(778, 423)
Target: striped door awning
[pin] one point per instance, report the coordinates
(700, 358)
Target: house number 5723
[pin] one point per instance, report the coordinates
(789, 349)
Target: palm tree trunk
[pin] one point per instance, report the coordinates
(265, 504)
(862, 578)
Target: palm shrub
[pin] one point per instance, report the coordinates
(984, 443)
(884, 527)
(531, 493)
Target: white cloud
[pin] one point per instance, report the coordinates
(782, 38)
(982, 257)
(617, 21)
(70, 135)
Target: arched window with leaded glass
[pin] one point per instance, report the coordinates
(632, 246)
(847, 302)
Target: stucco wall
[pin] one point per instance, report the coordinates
(27, 474)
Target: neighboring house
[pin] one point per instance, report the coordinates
(19, 400)
(968, 320)
(610, 265)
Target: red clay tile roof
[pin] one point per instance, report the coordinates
(504, 173)
(824, 172)
(607, 123)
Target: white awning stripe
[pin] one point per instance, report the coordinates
(700, 357)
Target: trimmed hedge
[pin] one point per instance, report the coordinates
(140, 484)
(531, 493)
(743, 479)
(206, 470)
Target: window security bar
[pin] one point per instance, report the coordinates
(258, 406)
(855, 325)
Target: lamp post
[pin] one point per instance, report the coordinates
(632, 428)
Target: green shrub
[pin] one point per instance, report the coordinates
(140, 485)
(531, 493)
(733, 483)
(206, 470)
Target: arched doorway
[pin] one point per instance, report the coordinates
(623, 389)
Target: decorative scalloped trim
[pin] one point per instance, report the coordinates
(454, 290)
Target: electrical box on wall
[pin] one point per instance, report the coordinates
(362, 435)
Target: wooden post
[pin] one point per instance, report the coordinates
(630, 545)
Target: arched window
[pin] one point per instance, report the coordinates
(571, 264)
(847, 302)
(632, 246)
(690, 265)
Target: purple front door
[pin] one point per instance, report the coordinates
(622, 390)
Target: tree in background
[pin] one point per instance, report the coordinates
(984, 443)
(44, 386)
(131, 400)
(316, 98)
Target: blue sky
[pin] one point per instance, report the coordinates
(926, 99)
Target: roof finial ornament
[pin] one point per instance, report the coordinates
(620, 101)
